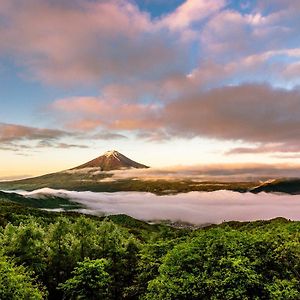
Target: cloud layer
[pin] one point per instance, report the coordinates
(252, 113)
(219, 172)
(196, 208)
(12, 133)
(259, 114)
(218, 69)
(15, 137)
(84, 41)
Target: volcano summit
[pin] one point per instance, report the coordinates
(112, 160)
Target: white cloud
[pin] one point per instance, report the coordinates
(193, 207)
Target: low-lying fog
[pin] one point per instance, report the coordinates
(193, 207)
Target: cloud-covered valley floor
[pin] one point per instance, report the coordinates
(193, 207)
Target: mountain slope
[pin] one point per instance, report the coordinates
(111, 160)
(45, 201)
(289, 186)
(97, 176)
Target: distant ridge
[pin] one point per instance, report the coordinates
(111, 160)
(284, 185)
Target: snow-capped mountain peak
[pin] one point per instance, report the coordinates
(111, 160)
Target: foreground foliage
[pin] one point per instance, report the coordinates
(68, 256)
(17, 283)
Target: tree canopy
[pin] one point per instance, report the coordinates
(70, 256)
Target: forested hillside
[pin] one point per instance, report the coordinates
(70, 256)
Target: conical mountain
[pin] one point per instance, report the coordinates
(112, 160)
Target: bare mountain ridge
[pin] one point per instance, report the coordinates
(111, 160)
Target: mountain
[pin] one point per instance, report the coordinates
(284, 185)
(111, 160)
(92, 176)
(39, 201)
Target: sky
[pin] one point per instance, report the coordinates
(177, 82)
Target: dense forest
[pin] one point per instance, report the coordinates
(46, 255)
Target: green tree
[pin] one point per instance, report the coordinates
(26, 244)
(151, 255)
(284, 289)
(211, 266)
(90, 281)
(62, 254)
(18, 284)
(113, 242)
(85, 232)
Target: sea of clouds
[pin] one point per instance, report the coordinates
(214, 172)
(194, 207)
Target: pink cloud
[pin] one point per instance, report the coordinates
(191, 11)
(89, 105)
(251, 113)
(83, 124)
(263, 66)
(82, 41)
(21, 138)
(272, 148)
(113, 42)
(132, 58)
(233, 35)
(292, 71)
(90, 113)
(220, 32)
(13, 132)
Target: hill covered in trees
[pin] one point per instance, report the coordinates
(47, 255)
